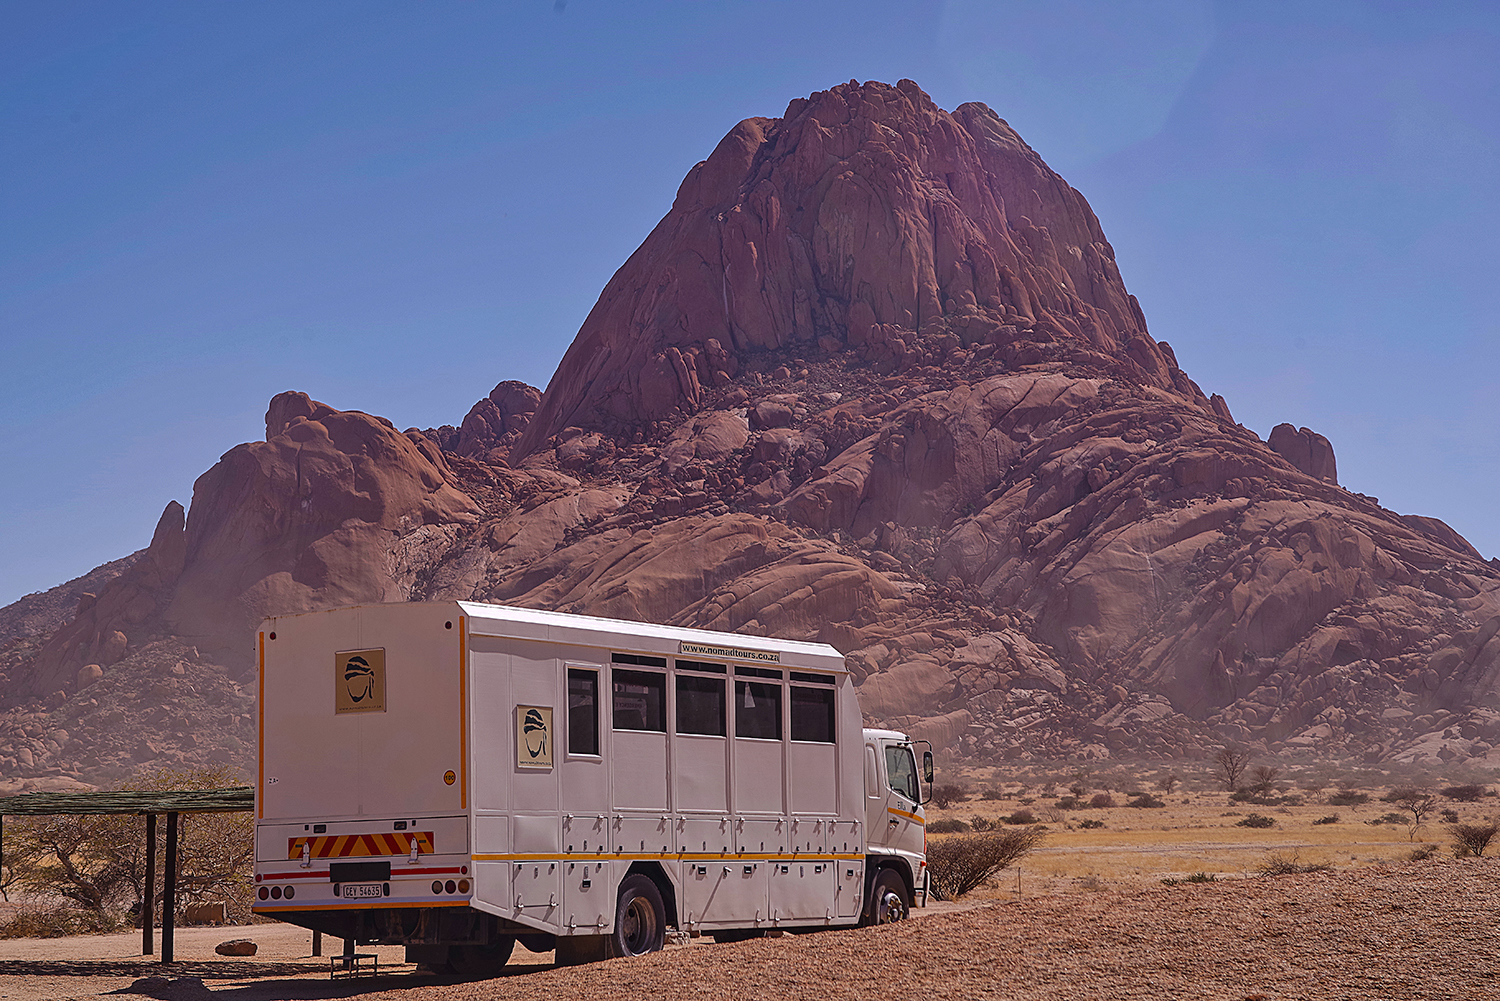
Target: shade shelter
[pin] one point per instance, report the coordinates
(235, 799)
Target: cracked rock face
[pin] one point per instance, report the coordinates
(874, 380)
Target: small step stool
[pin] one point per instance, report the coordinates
(352, 964)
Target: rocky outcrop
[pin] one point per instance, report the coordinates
(1307, 450)
(327, 511)
(876, 381)
(494, 424)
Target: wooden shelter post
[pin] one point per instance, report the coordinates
(169, 890)
(148, 897)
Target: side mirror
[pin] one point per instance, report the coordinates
(927, 767)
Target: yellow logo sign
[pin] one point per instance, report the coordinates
(533, 736)
(359, 681)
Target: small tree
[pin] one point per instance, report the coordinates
(962, 863)
(1418, 802)
(1262, 778)
(1465, 793)
(1167, 783)
(944, 796)
(1473, 839)
(93, 862)
(1230, 763)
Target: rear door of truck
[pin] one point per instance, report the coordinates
(363, 725)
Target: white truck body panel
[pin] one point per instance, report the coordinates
(764, 823)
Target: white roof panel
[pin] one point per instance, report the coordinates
(647, 637)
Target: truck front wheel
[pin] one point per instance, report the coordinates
(889, 900)
(640, 918)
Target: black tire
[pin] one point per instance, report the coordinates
(640, 918)
(479, 962)
(890, 900)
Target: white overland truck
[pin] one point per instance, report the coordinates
(457, 777)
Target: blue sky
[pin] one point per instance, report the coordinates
(393, 206)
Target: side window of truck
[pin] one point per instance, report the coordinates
(902, 769)
(700, 705)
(812, 714)
(757, 710)
(583, 711)
(640, 700)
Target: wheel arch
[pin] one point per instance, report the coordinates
(658, 875)
(874, 864)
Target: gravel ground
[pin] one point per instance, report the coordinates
(1425, 930)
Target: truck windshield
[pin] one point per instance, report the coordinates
(902, 769)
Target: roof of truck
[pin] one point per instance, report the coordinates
(648, 636)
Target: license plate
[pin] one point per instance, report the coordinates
(362, 890)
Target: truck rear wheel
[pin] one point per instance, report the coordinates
(640, 918)
(890, 900)
(479, 962)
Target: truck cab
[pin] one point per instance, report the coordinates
(895, 793)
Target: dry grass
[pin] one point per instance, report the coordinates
(1196, 831)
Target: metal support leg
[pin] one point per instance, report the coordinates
(317, 943)
(148, 896)
(169, 891)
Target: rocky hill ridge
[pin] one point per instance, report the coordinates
(873, 380)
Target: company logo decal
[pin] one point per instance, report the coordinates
(730, 653)
(359, 681)
(533, 736)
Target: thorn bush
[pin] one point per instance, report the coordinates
(962, 864)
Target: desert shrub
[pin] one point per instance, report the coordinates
(1258, 798)
(1020, 817)
(1332, 818)
(944, 796)
(1101, 800)
(982, 823)
(1068, 803)
(1464, 793)
(1450, 816)
(1145, 801)
(1256, 820)
(962, 864)
(1197, 877)
(1089, 825)
(992, 794)
(1348, 797)
(948, 827)
(1263, 777)
(1283, 864)
(58, 922)
(1470, 840)
(1421, 853)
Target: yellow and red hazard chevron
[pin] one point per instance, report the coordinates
(361, 845)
